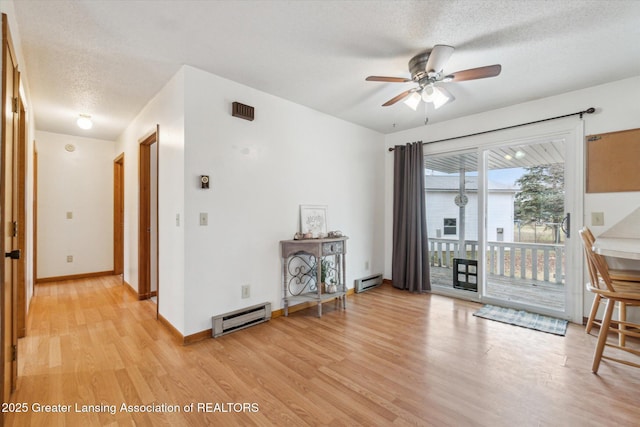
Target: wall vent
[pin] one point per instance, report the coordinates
(243, 111)
(240, 319)
(367, 283)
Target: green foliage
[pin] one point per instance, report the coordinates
(325, 267)
(541, 196)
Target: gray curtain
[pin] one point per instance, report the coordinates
(410, 260)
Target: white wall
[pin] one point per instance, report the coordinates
(166, 109)
(617, 109)
(80, 182)
(260, 172)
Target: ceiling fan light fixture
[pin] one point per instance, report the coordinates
(434, 95)
(413, 101)
(84, 122)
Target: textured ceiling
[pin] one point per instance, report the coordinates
(108, 58)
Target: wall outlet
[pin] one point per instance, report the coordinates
(597, 218)
(69, 215)
(69, 258)
(246, 291)
(204, 218)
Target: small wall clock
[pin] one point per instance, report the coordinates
(461, 200)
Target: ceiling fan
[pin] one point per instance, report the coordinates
(427, 70)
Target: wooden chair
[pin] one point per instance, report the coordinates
(614, 291)
(619, 275)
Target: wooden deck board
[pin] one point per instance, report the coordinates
(526, 291)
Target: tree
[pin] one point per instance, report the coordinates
(540, 200)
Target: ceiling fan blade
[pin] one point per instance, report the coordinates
(400, 97)
(387, 79)
(438, 57)
(475, 73)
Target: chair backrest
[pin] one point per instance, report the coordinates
(598, 268)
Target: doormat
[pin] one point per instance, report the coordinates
(524, 319)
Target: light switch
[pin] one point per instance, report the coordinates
(204, 218)
(597, 218)
(177, 220)
(69, 215)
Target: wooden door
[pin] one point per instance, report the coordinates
(146, 210)
(8, 221)
(118, 215)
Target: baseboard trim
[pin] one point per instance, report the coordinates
(129, 288)
(140, 297)
(197, 337)
(387, 281)
(74, 277)
(174, 332)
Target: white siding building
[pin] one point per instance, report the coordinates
(443, 215)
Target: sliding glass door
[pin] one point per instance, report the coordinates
(525, 216)
(497, 218)
(451, 182)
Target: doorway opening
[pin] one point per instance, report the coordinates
(498, 212)
(525, 241)
(148, 285)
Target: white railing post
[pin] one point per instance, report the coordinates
(444, 248)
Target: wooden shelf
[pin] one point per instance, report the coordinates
(301, 271)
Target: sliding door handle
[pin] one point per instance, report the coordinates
(566, 225)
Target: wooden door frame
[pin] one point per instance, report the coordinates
(8, 304)
(22, 220)
(118, 215)
(35, 214)
(144, 215)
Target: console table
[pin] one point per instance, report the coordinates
(302, 262)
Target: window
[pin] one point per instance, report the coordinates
(450, 226)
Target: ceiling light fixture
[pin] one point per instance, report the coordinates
(429, 94)
(413, 101)
(435, 95)
(520, 154)
(84, 122)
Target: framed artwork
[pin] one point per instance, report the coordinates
(313, 219)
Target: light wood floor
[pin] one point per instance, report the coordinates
(393, 358)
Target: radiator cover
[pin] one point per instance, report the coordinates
(240, 319)
(367, 283)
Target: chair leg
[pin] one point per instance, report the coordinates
(594, 311)
(602, 335)
(622, 316)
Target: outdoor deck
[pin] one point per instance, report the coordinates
(536, 292)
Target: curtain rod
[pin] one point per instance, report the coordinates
(581, 113)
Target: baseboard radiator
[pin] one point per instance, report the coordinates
(367, 283)
(240, 319)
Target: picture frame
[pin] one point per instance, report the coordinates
(313, 219)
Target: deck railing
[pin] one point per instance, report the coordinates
(510, 259)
